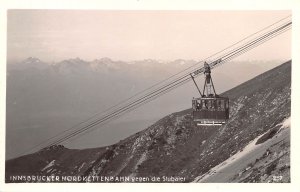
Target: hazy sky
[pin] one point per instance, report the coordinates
(54, 35)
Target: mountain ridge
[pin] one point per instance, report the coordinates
(174, 146)
(46, 98)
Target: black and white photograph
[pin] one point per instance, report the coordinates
(148, 96)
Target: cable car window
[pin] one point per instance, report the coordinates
(215, 105)
(204, 104)
(219, 104)
(222, 105)
(198, 105)
(208, 104)
(211, 105)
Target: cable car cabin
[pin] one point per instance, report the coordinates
(210, 110)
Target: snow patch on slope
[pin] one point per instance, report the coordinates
(49, 165)
(286, 123)
(81, 166)
(141, 160)
(249, 148)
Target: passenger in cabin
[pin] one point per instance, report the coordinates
(209, 105)
(222, 105)
(212, 106)
(205, 104)
(215, 105)
(219, 105)
(200, 104)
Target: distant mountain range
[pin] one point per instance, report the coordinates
(44, 99)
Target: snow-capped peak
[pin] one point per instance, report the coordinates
(32, 60)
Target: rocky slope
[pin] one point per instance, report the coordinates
(175, 148)
(264, 159)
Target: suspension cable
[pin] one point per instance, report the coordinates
(171, 85)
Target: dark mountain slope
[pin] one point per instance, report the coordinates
(174, 146)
